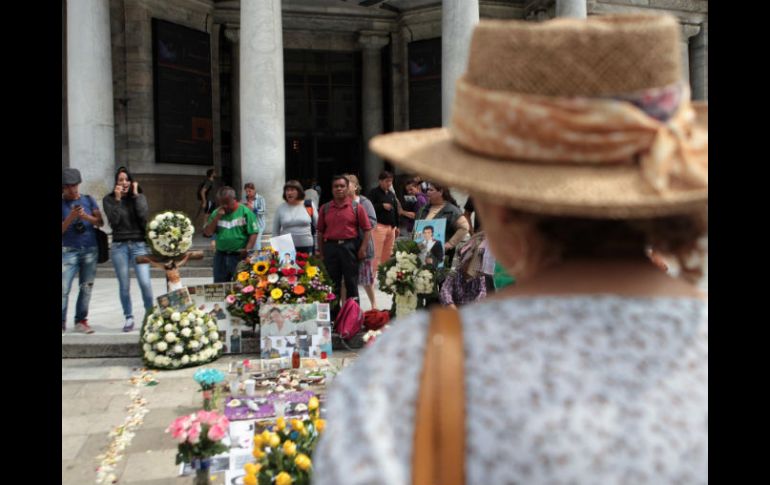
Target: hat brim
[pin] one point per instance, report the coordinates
(615, 192)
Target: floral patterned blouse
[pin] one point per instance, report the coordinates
(559, 390)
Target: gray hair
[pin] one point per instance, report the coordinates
(226, 192)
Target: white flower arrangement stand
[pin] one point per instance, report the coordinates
(171, 266)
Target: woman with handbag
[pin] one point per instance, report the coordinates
(126, 209)
(593, 368)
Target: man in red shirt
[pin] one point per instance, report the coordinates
(344, 236)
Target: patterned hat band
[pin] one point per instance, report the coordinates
(655, 128)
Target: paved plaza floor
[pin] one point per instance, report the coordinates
(95, 397)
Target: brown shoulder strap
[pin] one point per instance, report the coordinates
(439, 440)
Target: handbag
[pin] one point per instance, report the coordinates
(103, 244)
(438, 454)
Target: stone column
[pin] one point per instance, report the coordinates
(89, 95)
(371, 100)
(571, 8)
(458, 17)
(233, 35)
(262, 135)
(699, 67)
(688, 31)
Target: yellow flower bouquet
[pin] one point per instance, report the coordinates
(283, 452)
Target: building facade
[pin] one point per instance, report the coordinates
(265, 90)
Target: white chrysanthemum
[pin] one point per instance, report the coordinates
(153, 226)
(176, 316)
(217, 345)
(186, 332)
(184, 322)
(204, 340)
(170, 337)
(150, 355)
(194, 344)
(185, 359)
(214, 336)
(212, 326)
(161, 346)
(194, 358)
(198, 330)
(178, 349)
(159, 360)
(175, 363)
(272, 278)
(151, 337)
(169, 327)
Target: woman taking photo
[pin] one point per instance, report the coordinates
(293, 217)
(441, 205)
(593, 368)
(126, 209)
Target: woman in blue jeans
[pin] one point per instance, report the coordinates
(126, 209)
(79, 250)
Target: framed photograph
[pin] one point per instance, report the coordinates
(286, 327)
(429, 236)
(287, 254)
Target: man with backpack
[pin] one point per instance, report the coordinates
(340, 245)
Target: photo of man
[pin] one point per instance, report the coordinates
(235, 341)
(431, 250)
(268, 352)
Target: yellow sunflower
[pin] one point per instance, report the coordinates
(311, 271)
(276, 293)
(243, 276)
(261, 267)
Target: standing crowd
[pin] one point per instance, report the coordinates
(353, 233)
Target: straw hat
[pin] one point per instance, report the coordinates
(570, 117)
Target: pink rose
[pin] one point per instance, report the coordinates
(330, 297)
(217, 432)
(248, 289)
(194, 436)
(230, 299)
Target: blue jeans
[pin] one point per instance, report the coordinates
(80, 261)
(123, 255)
(224, 266)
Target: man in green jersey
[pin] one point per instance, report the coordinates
(236, 228)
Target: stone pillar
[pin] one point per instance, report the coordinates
(458, 17)
(571, 8)
(89, 95)
(262, 135)
(699, 67)
(371, 100)
(233, 35)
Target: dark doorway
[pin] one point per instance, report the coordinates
(322, 91)
(424, 83)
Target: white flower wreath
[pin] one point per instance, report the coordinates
(170, 233)
(166, 344)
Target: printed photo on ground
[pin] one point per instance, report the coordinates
(179, 300)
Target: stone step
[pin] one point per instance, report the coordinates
(107, 271)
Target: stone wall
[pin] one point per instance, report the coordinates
(167, 186)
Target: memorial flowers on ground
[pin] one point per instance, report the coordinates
(266, 281)
(405, 277)
(170, 234)
(283, 453)
(172, 339)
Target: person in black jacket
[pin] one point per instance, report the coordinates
(126, 209)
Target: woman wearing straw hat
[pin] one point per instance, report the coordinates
(584, 149)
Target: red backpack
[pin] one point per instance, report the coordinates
(349, 319)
